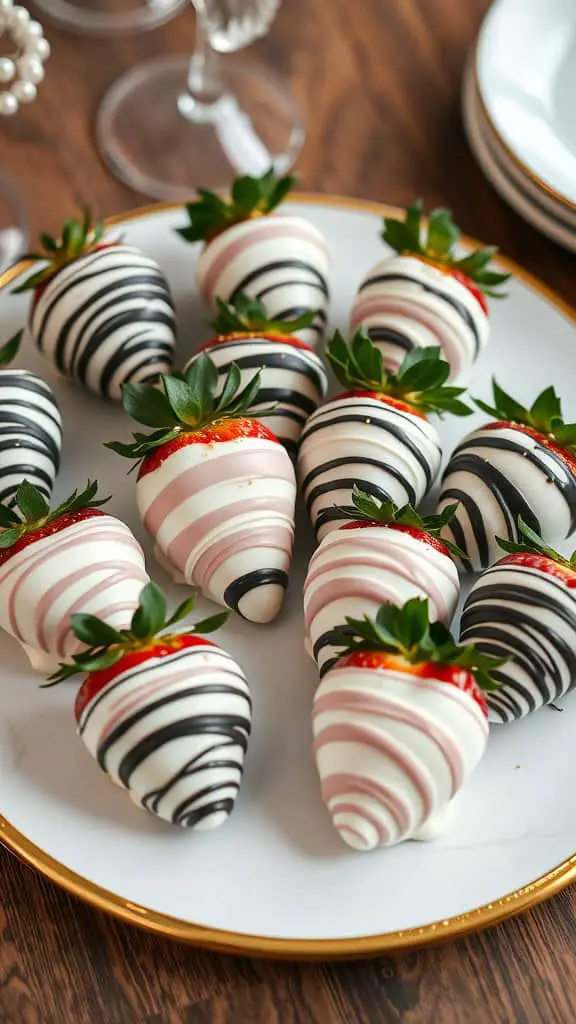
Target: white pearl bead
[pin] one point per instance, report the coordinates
(30, 69)
(42, 49)
(18, 19)
(25, 92)
(5, 6)
(32, 33)
(7, 69)
(8, 104)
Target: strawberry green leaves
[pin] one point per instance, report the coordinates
(386, 513)
(106, 646)
(420, 381)
(544, 415)
(78, 237)
(249, 315)
(9, 351)
(209, 214)
(408, 633)
(437, 245)
(30, 511)
(530, 543)
(188, 402)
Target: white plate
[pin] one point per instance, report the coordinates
(276, 879)
(506, 177)
(527, 76)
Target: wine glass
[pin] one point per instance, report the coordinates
(109, 17)
(177, 123)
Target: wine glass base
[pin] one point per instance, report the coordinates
(154, 137)
(109, 17)
(13, 225)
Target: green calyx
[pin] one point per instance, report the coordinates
(408, 633)
(106, 646)
(210, 214)
(420, 381)
(437, 245)
(9, 351)
(188, 402)
(30, 511)
(530, 543)
(248, 315)
(368, 509)
(78, 237)
(544, 415)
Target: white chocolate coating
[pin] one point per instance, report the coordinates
(354, 571)
(106, 319)
(496, 474)
(94, 566)
(405, 303)
(281, 260)
(173, 731)
(390, 453)
(518, 612)
(223, 515)
(392, 750)
(30, 433)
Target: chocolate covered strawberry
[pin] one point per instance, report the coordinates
(164, 712)
(292, 379)
(427, 294)
(55, 563)
(30, 428)
(524, 609)
(215, 488)
(280, 259)
(399, 724)
(521, 464)
(101, 310)
(376, 434)
(383, 554)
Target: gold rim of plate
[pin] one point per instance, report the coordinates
(568, 204)
(296, 949)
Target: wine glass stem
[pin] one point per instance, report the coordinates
(204, 84)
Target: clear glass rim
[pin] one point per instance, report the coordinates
(90, 22)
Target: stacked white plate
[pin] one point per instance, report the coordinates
(519, 102)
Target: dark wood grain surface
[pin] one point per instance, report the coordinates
(379, 81)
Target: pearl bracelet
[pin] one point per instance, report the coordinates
(21, 73)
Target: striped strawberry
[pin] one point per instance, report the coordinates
(399, 724)
(101, 310)
(376, 435)
(426, 294)
(215, 488)
(53, 564)
(248, 247)
(383, 554)
(293, 377)
(524, 609)
(30, 428)
(523, 463)
(165, 713)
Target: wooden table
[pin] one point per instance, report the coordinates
(379, 80)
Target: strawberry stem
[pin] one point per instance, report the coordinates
(78, 238)
(408, 633)
(247, 314)
(420, 381)
(106, 646)
(544, 415)
(30, 511)
(210, 214)
(436, 243)
(186, 403)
